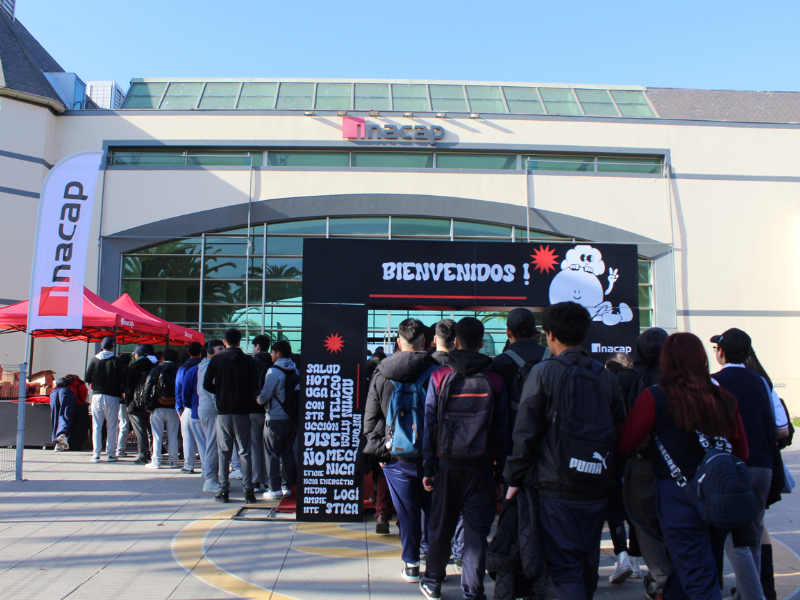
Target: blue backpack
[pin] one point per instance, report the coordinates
(405, 417)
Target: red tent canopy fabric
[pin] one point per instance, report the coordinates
(177, 335)
(100, 319)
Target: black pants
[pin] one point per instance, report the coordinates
(472, 494)
(140, 423)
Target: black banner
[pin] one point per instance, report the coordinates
(332, 399)
(482, 275)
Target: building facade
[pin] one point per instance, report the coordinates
(210, 186)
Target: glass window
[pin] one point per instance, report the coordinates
(277, 291)
(333, 96)
(296, 96)
(402, 226)
(161, 291)
(645, 318)
(448, 98)
(284, 268)
(398, 160)
(230, 292)
(521, 235)
(558, 162)
(308, 159)
(155, 267)
(313, 226)
(372, 96)
(469, 228)
(597, 103)
(174, 313)
(233, 267)
(187, 246)
(181, 96)
(632, 104)
(485, 98)
(523, 100)
(257, 95)
(628, 164)
(144, 95)
(220, 95)
(476, 161)
(236, 246)
(409, 97)
(221, 158)
(277, 316)
(359, 226)
(559, 101)
(645, 269)
(219, 313)
(149, 158)
(281, 246)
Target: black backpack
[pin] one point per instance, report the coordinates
(466, 411)
(165, 386)
(291, 390)
(515, 389)
(721, 489)
(582, 434)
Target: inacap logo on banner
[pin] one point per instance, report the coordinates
(600, 349)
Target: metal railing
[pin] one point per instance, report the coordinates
(9, 395)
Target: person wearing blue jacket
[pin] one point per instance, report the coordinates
(186, 404)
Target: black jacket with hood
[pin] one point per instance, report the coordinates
(106, 374)
(645, 372)
(151, 387)
(400, 366)
(232, 376)
(135, 380)
(264, 363)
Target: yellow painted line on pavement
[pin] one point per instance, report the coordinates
(339, 552)
(337, 531)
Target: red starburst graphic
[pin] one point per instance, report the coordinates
(334, 343)
(544, 259)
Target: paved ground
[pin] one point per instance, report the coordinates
(79, 530)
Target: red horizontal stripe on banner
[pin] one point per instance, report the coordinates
(450, 297)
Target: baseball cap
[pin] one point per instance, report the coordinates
(521, 316)
(735, 343)
(141, 350)
(108, 343)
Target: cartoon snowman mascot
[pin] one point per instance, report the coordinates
(579, 281)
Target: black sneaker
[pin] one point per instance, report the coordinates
(430, 590)
(250, 497)
(382, 527)
(410, 572)
(141, 461)
(223, 497)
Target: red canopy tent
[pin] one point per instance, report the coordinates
(100, 319)
(178, 335)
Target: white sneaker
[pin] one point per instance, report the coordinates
(62, 443)
(622, 569)
(637, 570)
(153, 465)
(237, 474)
(211, 486)
(270, 495)
(286, 491)
(95, 459)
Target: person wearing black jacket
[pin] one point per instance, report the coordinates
(233, 377)
(135, 380)
(160, 394)
(445, 341)
(571, 512)
(258, 448)
(106, 375)
(403, 476)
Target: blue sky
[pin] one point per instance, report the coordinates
(682, 43)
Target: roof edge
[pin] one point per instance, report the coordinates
(54, 105)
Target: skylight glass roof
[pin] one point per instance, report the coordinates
(406, 96)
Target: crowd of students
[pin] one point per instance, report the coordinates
(566, 443)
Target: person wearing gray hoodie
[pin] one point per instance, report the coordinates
(207, 411)
(279, 429)
(106, 375)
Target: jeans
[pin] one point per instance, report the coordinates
(189, 443)
(104, 409)
(410, 501)
(61, 412)
(746, 561)
(234, 430)
(258, 449)
(471, 494)
(124, 428)
(279, 436)
(160, 418)
(209, 449)
(570, 533)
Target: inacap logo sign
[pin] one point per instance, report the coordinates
(359, 128)
(600, 349)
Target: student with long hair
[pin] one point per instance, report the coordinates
(685, 401)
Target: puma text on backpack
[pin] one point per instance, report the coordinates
(466, 410)
(582, 434)
(165, 386)
(721, 489)
(405, 416)
(291, 393)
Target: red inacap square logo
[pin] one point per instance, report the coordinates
(52, 304)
